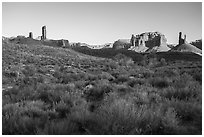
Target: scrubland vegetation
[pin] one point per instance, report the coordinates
(50, 90)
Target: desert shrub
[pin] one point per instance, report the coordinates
(111, 64)
(150, 60)
(63, 109)
(97, 92)
(121, 79)
(10, 73)
(34, 108)
(30, 60)
(47, 94)
(133, 82)
(123, 89)
(145, 94)
(74, 100)
(123, 60)
(153, 62)
(147, 74)
(122, 117)
(66, 78)
(92, 77)
(28, 70)
(22, 118)
(13, 91)
(163, 62)
(16, 94)
(59, 127)
(80, 84)
(109, 119)
(159, 82)
(62, 88)
(140, 98)
(154, 98)
(106, 75)
(23, 82)
(40, 79)
(182, 81)
(190, 92)
(190, 115)
(57, 74)
(198, 77)
(166, 72)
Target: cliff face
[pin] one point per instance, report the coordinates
(148, 42)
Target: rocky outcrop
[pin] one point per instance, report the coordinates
(43, 37)
(149, 42)
(57, 43)
(30, 35)
(54, 43)
(197, 43)
(121, 44)
(184, 46)
(182, 40)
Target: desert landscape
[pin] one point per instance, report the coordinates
(137, 86)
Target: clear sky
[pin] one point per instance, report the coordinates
(99, 23)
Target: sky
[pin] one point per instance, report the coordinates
(102, 22)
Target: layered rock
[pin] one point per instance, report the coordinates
(148, 42)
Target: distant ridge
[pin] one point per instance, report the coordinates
(31, 41)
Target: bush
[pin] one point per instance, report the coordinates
(122, 117)
(28, 70)
(190, 115)
(123, 60)
(63, 109)
(47, 94)
(159, 82)
(106, 75)
(97, 92)
(182, 81)
(198, 77)
(133, 82)
(121, 79)
(189, 93)
(17, 94)
(23, 118)
(59, 127)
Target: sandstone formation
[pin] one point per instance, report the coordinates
(149, 42)
(43, 37)
(182, 40)
(39, 40)
(30, 35)
(184, 46)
